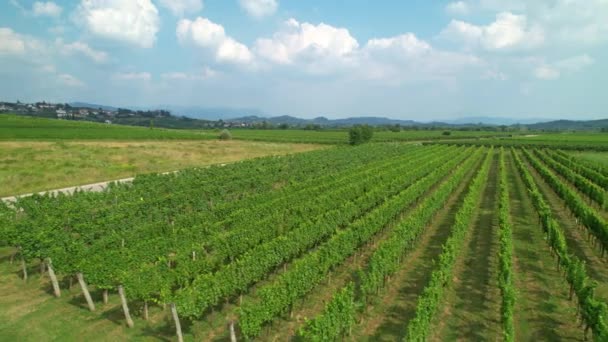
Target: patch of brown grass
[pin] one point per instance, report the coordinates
(30, 166)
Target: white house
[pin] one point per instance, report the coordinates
(61, 113)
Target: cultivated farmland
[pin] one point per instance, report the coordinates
(381, 242)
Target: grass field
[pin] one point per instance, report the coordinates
(30, 166)
(566, 137)
(584, 142)
(341, 136)
(596, 157)
(13, 127)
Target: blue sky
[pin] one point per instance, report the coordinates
(416, 59)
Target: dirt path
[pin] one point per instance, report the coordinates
(95, 187)
(542, 308)
(472, 306)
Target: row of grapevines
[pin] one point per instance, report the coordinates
(42, 215)
(419, 327)
(592, 311)
(256, 229)
(590, 189)
(505, 254)
(334, 321)
(308, 271)
(387, 258)
(599, 168)
(587, 215)
(575, 164)
(148, 258)
(44, 226)
(209, 288)
(531, 143)
(228, 212)
(231, 238)
(188, 193)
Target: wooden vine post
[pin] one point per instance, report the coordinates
(105, 296)
(232, 333)
(85, 291)
(178, 327)
(49, 266)
(125, 307)
(24, 269)
(146, 314)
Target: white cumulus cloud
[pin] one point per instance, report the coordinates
(408, 58)
(11, 43)
(48, 8)
(405, 44)
(508, 31)
(135, 22)
(297, 41)
(562, 21)
(16, 44)
(204, 33)
(82, 48)
(181, 7)
(259, 8)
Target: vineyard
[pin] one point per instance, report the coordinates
(380, 242)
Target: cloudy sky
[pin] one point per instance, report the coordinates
(415, 59)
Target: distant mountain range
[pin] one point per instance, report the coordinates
(194, 112)
(380, 121)
(497, 121)
(322, 121)
(253, 116)
(561, 125)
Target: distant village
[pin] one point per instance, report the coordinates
(58, 110)
(160, 118)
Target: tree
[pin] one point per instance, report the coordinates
(446, 133)
(360, 134)
(225, 135)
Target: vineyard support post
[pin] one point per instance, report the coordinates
(49, 266)
(178, 327)
(85, 291)
(125, 307)
(232, 333)
(146, 316)
(24, 268)
(105, 296)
